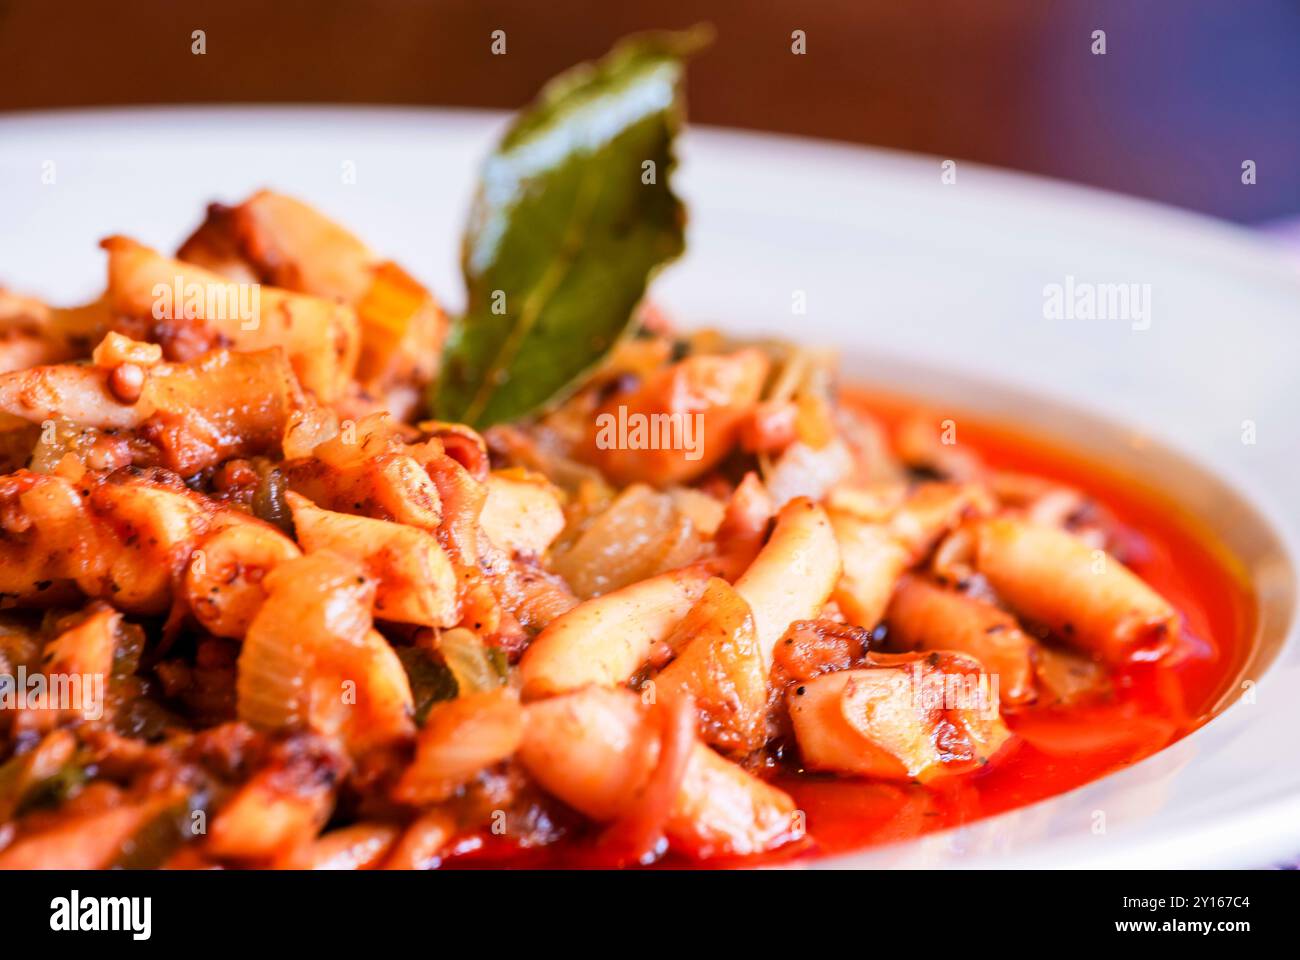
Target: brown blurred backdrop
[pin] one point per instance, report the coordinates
(1186, 91)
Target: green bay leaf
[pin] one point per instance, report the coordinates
(565, 231)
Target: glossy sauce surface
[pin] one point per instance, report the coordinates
(1060, 748)
(1055, 748)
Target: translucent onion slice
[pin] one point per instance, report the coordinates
(467, 658)
(643, 533)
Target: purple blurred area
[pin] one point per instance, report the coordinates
(1186, 92)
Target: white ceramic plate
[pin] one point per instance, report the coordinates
(934, 287)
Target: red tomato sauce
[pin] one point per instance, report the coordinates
(1060, 748)
(1055, 749)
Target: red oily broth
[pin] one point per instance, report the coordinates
(1055, 748)
(1060, 748)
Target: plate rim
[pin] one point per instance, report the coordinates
(1260, 253)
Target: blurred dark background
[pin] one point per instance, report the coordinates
(1187, 90)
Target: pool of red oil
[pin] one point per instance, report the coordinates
(1059, 748)
(1055, 749)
